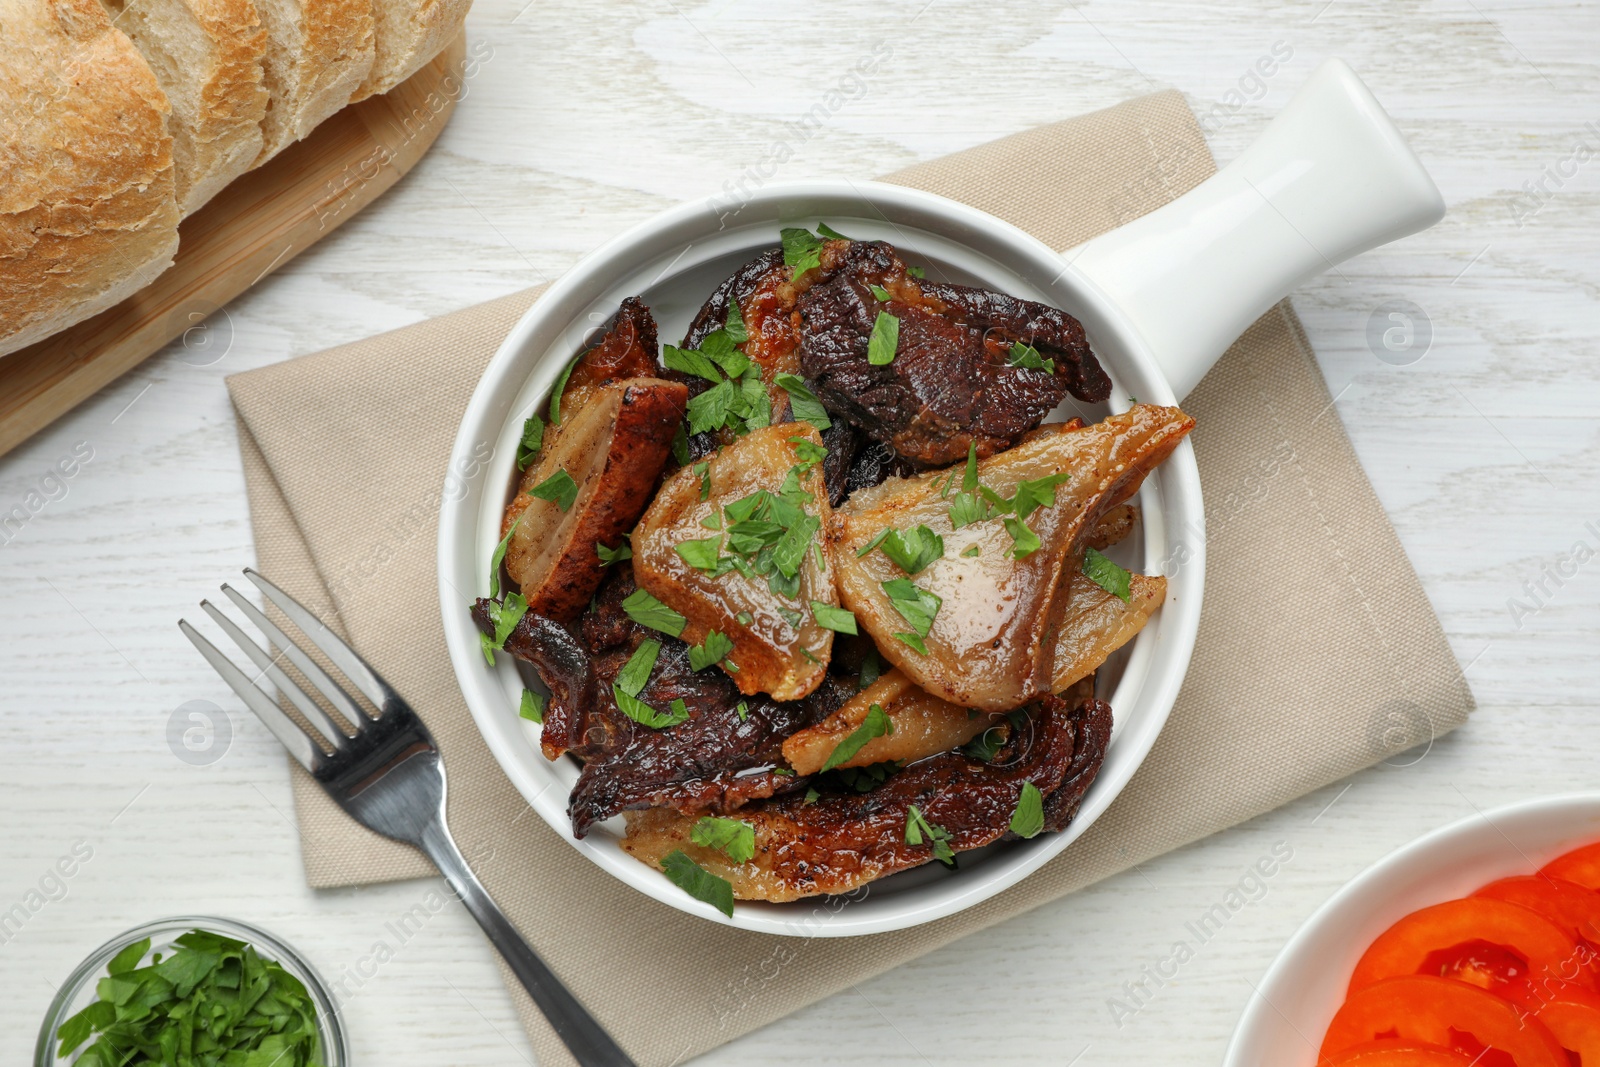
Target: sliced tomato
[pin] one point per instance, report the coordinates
(1394, 1052)
(1567, 904)
(1572, 1014)
(1438, 1011)
(1488, 943)
(1581, 865)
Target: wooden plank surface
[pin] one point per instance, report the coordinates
(586, 117)
(258, 223)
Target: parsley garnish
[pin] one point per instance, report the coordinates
(743, 711)
(734, 839)
(803, 403)
(811, 795)
(636, 672)
(1024, 541)
(810, 453)
(919, 829)
(680, 446)
(1028, 818)
(880, 293)
(735, 323)
(744, 618)
(714, 649)
(874, 543)
(916, 272)
(801, 250)
(1107, 575)
(917, 606)
(499, 556)
(561, 387)
(709, 410)
(504, 614)
(1027, 356)
(704, 471)
(212, 999)
(559, 489)
(983, 747)
(828, 231)
(871, 667)
(1038, 493)
(885, 339)
(646, 610)
(698, 882)
(914, 549)
(876, 724)
(971, 551)
(532, 441)
(701, 554)
(839, 620)
(608, 556)
(533, 705)
(690, 361)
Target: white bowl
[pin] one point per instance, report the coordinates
(1334, 165)
(1285, 1020)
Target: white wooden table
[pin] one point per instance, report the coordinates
(588, 117)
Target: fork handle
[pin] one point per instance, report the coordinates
(583, 1035)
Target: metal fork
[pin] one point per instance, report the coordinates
(389, 777)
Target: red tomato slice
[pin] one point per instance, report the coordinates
(1488, 943)
(1438, 1011)
(1581, 865)
(1567, 904)
(1573, 1016)
(1393, 1052)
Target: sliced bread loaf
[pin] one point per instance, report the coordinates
(88, 211)
(207, 55)
(409, 33)
(318, 53)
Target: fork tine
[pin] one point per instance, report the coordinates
(342, 701)
(282, 727)
(371, 684)
(258, 655)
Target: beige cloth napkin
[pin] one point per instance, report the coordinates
(1318, 653)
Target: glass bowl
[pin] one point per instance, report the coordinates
(79, 989)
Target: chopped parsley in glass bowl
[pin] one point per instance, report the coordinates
(192, 990)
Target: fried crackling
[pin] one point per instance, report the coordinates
(991, 644)
(923, 725)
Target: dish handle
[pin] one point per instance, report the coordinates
(1329, 178)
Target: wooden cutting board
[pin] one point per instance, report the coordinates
(253, 227)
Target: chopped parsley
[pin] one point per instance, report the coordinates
(884, 340)
(499, 556)
(917, 606)
(872, 544)
(680, 446)
(972, 551)
(731, 837)
(735, 323)
(913, 549)
(871, 667)
(714, 649)
(803, 403)
(983, 747)
(698, 882)
(533, 705)
(608, 556)
(636, 672)
(1028, 818)
(1038, 493)
(917, 272)
(532, 441)
(701, 554)
(646, 610)
(880, 293)
(1024, 541)
(1107, 575)
(744, 618)
(704, 471)
(559, 489)
(828, 231)
(710, 410)
(211, 999)
(743, 711)
(839, 620)
(919, 829)
(504, 615)
(876, 724)
(801, 250)
(810, 453)
(691, 361)
(561, 387)
(1028, 357)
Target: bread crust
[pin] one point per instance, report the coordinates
(318, 54)
(88, 211)
(207, 55)
(409, 34)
